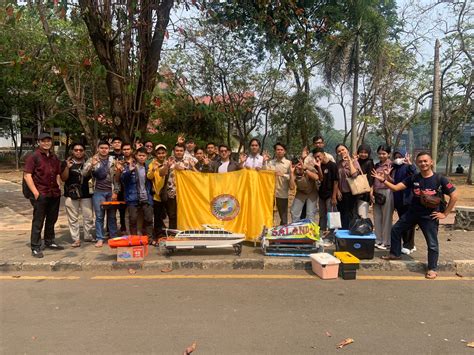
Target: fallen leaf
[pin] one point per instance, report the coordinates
(328, 334)
(470, 345)
(132, 271)
(166, 269)
(16, 276)
(344, 342)
(190, 349)
(459, 275)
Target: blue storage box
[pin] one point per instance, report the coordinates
(361, 246)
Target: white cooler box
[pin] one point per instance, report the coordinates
(325, 265)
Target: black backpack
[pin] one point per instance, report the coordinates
(27, 193)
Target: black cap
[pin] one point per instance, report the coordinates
(44, 135)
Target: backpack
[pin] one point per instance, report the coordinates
(27, 193)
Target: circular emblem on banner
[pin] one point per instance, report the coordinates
(225, 207)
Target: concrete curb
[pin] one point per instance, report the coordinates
(460, 267)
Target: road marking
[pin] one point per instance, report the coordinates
(20, 277)
(281, 277)
(151, 277)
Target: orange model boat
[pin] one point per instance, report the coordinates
(128, 241)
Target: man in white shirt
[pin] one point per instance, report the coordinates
(226, 164)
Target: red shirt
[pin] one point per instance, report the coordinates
(44, 169)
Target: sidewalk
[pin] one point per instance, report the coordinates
(457, 249)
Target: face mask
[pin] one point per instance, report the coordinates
(398, 161)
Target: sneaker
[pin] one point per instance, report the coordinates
(382, 247)
(378, 245)
(406, 251)
(413, 250)
(54, 246)
(37, 253)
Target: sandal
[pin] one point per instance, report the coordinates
(390, 257)
(76, 244)
(431, 275)
(99, 244)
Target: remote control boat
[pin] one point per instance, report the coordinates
(294, 239)
(209, 237)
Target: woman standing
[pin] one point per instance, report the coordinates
(347, 167)
(366, 165)
(383, 200)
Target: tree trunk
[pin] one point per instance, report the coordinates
(470, 171)
(435, 106)
(355, 96)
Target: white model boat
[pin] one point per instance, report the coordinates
(209, 237)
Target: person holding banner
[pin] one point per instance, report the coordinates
(254, 160)
(282, 168)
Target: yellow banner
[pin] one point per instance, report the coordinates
(240, 201)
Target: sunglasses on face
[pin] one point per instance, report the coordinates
(78, 150)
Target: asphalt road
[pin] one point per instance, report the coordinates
(233, 314)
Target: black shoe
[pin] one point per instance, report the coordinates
(54, 246)
(37, 253)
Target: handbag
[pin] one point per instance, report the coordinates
(334, 220)
(359, 185)
(379, 198)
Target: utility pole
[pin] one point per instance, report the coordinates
(435, 106)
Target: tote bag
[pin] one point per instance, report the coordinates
(359, 185)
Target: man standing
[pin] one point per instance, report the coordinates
(204, 164)
(117, 148)
(177, 162)
(78, 197)
(282, 168)
(306, 192)
(318, 142)
(327, 171)
(211, 152)
(226, 164)
(106, 188)
(41, 174)
(127, 153)
(159, 188)
(426, 209)
(149, 151)
(137, 191)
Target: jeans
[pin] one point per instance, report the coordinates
(97, 199)
(172, 211)
(159, 213)
(428, 226)
(73, 210)
(282, 207)
(147, 228)
(45, 212)
(311, 201)
(408, 237)
(347, 207)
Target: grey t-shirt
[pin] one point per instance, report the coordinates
(141, 183)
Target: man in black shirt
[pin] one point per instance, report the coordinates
(117, 154)
(78, 197)
(426, 208)
(327, 172)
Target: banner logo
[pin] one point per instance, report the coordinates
(225, 207)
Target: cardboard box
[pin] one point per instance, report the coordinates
(136, 253)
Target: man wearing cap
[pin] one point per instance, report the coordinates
(42, 175)
(158, 182)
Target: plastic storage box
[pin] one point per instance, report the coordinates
(325, 265)
(349, 265)
(361, 246)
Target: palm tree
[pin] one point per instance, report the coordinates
(359, 36)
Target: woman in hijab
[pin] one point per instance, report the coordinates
(366, 165)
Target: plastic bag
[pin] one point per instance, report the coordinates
(361, 226)
(334, 220)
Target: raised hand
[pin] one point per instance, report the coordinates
(305, 152)
(69, 162)
(387, 172)
(95, 160)
(355, 156)
(181, 139)
(206, 160)
(156, 165)
(266, 156)
(379, 176)
(170, 161)
(243, 157)
(408, 159)
(119, 166)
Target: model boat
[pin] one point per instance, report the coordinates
(209, 237)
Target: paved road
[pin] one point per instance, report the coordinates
(234, 315)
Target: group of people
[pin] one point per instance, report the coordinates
(143, 175)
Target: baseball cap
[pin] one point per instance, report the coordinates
(161, 146)
(44, 135)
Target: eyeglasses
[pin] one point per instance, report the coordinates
(78, 150)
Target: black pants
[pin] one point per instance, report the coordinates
(282, 207)
(408, 237)
(159, 211)
(347, 207)
(172, 211)
(147, 218)
(45, 212)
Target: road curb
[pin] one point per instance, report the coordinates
(460, 267)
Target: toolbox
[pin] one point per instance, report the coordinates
(349, 265)
(361, 246)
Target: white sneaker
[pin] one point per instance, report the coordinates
(382, 247)
(406, 251)
(413, 250)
